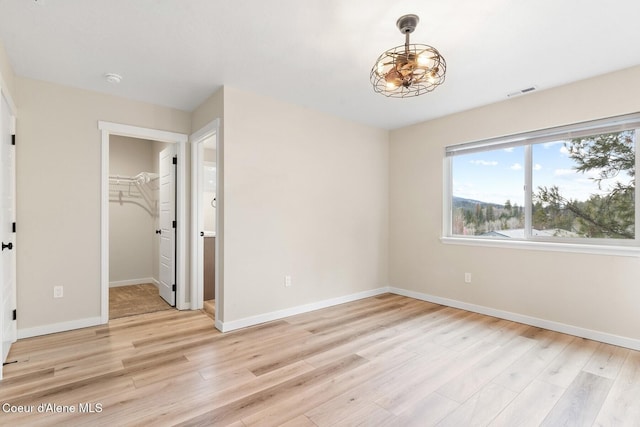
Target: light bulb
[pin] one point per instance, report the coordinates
(393, 79)
(433, 76)
(423, 60)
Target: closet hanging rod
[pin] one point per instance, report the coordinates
(141, 178)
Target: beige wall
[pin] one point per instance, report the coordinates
(306, 195)
(58, 194)
(211, 109)
(132, 218)
(599, 293)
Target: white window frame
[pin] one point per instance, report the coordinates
(619, 247)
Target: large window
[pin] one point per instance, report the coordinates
(572, 184)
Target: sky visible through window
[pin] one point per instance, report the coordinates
(497, 176)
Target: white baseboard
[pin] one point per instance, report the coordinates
(275, 315)
(59, 327)
(129, 282)
(604, 337)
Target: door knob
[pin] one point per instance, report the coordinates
(158, 231)
(7, 246)
(201, 233)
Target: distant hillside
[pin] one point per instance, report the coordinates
(470, 204)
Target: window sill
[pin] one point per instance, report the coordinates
(630, 251)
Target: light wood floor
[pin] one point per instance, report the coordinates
(209, 307)
(384, 361)
(135, 299)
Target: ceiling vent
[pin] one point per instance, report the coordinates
(522, 91)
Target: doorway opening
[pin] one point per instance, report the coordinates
(142, 189)
(205, 173)
(208, 229)
(171, 247)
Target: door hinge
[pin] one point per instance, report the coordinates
(175, 160)
(13, 139)
(173, 288)
(13, 227)
(173, 224)
(15, 314)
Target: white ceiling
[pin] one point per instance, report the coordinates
(316, 53)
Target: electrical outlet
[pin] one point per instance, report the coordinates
(287, 281)
(58, 291)
(467, 277)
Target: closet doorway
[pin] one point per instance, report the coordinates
(143, 218)
(205, 219)
(142, 188)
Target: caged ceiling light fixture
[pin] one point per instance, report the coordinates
(409, 70)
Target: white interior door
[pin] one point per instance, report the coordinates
(167, 207)
(7, 233)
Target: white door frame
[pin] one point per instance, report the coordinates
(12, 131)
(197, 220)
(107, 129)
